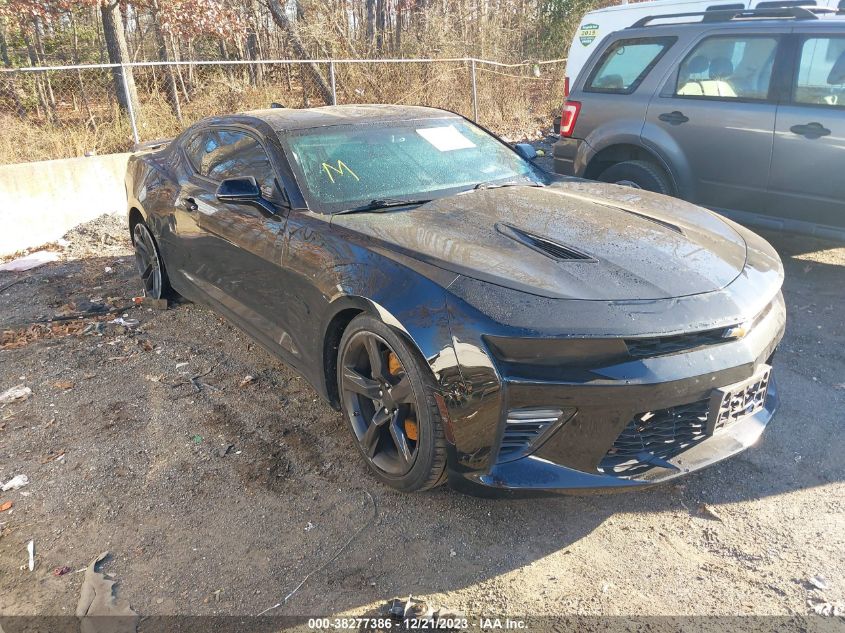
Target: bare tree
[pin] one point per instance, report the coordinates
(164, 56)
(9, 85)
(115, 38)
(280, 17)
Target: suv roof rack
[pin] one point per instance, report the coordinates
(726, 15)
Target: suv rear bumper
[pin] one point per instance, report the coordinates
(565, 152)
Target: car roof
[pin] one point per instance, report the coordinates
(823, 22)
(298, 119)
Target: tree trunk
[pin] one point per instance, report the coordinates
(44, 106)
(4, 47)
(38, 27)
(9, 85)
(99, 27)
(89, 115)
(380, 25)
(398, 29)
(164, 56)
(280, 17)
(177, 55)
(253, 51)
(118, 54)
(224, 55)
(371, 22)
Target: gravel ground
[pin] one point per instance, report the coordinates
(216, 493)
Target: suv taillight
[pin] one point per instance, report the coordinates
(566, 86)
(568, 116)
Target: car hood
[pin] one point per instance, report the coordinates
(573, 240)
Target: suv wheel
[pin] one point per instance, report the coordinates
(639, 174)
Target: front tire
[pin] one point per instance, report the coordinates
(639, 174)
(387, 397)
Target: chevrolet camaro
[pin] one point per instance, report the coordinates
(477, 320)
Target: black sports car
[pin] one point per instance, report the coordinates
(476, 319)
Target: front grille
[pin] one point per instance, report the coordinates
(742, 401)
(663, 345)
(654, 436)
(523, 430)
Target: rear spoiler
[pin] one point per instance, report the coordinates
(151, 145)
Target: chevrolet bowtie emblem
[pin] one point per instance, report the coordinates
(737, 331)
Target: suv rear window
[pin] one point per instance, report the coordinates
(821, 72)
(626, 63)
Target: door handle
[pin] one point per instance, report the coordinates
(810, 130)
(675, 118)
(189, 204)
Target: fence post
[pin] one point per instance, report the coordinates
(129, 105)
(474, 93)
(334, 85)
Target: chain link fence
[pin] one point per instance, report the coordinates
(64, 111)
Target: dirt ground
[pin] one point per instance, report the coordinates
(216, 493)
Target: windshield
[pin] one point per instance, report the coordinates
(346, 166)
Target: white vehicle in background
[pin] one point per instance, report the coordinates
(596, 25)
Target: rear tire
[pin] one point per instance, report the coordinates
(639, 174)
(150, 264)
(387, 397)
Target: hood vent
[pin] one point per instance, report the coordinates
(651, 218)
(544, 245)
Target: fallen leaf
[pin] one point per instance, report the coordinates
(6, 506)
(247, 380)
(63, 384)
(51, 456)
(709, 512)
(818, 582)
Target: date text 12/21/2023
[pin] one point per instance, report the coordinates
(421, 623)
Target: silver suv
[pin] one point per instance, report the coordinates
(740, 111)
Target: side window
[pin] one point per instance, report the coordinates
(821, 72)
(625, 63)
(234, 154)
(728, 67)
(195, 147)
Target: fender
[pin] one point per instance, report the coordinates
(663, 145)
(613, 133)
(619, 133)
(416, 311)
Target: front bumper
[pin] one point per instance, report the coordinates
(535, 475)
(608, 398)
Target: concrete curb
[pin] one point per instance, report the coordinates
(41, 201)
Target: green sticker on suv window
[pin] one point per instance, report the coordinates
(588, 33)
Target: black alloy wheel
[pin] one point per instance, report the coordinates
(389, 406)
(149, 262)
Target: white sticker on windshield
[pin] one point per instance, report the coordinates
(446, 138)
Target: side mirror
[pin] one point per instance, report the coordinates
(239, 190)
(526, 150)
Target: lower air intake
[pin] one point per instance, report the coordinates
(526, 428)
(659, 434)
